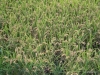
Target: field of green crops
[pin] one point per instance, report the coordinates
(49, 37)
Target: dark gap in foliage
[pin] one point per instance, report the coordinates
(96, 41)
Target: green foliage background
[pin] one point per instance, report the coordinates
(49, 37)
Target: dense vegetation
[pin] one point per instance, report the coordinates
(49, 37)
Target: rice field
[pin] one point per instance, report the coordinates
(49, 37)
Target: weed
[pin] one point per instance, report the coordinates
(54, 37)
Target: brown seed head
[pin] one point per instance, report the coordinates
(58, 52)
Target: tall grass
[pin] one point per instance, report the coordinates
(54, 37)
